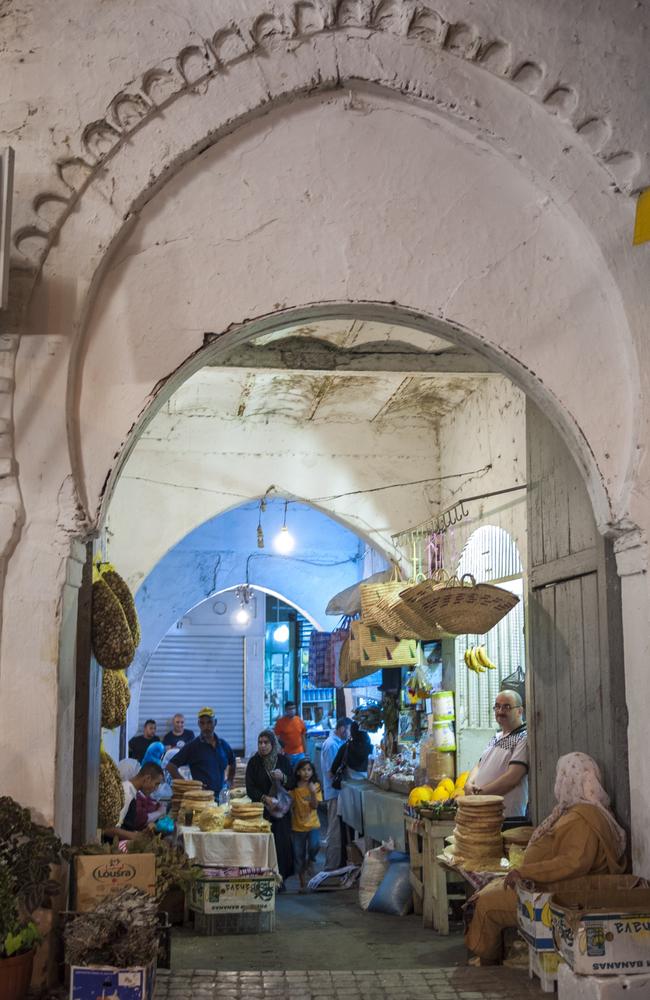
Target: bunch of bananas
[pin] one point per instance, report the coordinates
(476, 659)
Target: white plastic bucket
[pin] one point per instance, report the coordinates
(444, 736)
(442, 703)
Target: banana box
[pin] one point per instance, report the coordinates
(534, 917)
(603, 933)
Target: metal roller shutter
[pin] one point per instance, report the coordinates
(187, 672)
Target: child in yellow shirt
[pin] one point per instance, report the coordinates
(305, 824)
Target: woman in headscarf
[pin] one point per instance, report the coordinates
(268, 766)
(580, 837)
(154, 754)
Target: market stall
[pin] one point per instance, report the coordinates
(226, 849)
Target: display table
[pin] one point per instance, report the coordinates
(226, 849)
(351, 803)
(383, 814)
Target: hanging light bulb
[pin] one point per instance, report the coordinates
(244, 595)
(281, 633)
(284, 540)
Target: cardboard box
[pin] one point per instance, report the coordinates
(97, 876)
(254, 893)
(571, 986)
(95, 982)
(603, 933)
(534, 911)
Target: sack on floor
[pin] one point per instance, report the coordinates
(394, 895)
(373, 869)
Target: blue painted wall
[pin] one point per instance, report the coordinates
(223, 552)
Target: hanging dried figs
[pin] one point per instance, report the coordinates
(125, 597)
(112, 640)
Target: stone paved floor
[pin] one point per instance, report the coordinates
(463, 983)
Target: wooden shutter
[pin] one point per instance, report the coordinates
(575, 643)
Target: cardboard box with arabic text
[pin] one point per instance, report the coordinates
(97, 876)
(603, 933)
(533, 904)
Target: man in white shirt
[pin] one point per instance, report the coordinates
(147, 780)
(336, 739)
(503, 767)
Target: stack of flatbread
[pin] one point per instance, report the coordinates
(247, 817)
(240, 775)
(477, 841)
(195, 801)
(179, 788)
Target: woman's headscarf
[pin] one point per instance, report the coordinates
(154, 754)
(578, 780)
(128, 768)
(271, 759)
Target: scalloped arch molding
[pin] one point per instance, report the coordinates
(185, 73)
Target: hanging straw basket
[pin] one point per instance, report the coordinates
(351, 667)
(378, 649)
(461, 606)
(381, 605)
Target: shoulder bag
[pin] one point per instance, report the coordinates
(339, 774)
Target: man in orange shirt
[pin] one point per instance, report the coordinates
(290, 730)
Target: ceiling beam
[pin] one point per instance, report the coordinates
(318, 356)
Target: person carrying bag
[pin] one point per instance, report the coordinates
(339, 773)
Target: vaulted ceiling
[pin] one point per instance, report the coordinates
(335, 371)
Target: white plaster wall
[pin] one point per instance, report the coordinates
(576, 322)
(488, 427)
(504, 262)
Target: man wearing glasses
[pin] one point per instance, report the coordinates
(503, 767)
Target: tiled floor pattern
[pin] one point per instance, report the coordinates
(464, 983)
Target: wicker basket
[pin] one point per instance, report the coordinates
(373, 598)
(461, 606)
(350, 665)
(382, 605)
(378, 649)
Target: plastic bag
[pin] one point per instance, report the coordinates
(394, 895)
(420, 682)
(281, 802)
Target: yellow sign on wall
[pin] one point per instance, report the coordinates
(642, 221)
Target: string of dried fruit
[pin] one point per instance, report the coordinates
(116, 697)
(111, 636)
(125, 597)
(111, 793)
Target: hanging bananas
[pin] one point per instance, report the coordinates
(476, 659)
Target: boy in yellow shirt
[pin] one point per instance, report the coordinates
(305, 824)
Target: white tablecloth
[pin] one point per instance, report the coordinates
(227, 849)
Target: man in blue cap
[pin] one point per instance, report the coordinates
(210, 759)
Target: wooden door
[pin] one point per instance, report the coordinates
(576, 677)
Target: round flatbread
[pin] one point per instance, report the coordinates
(476, 801)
